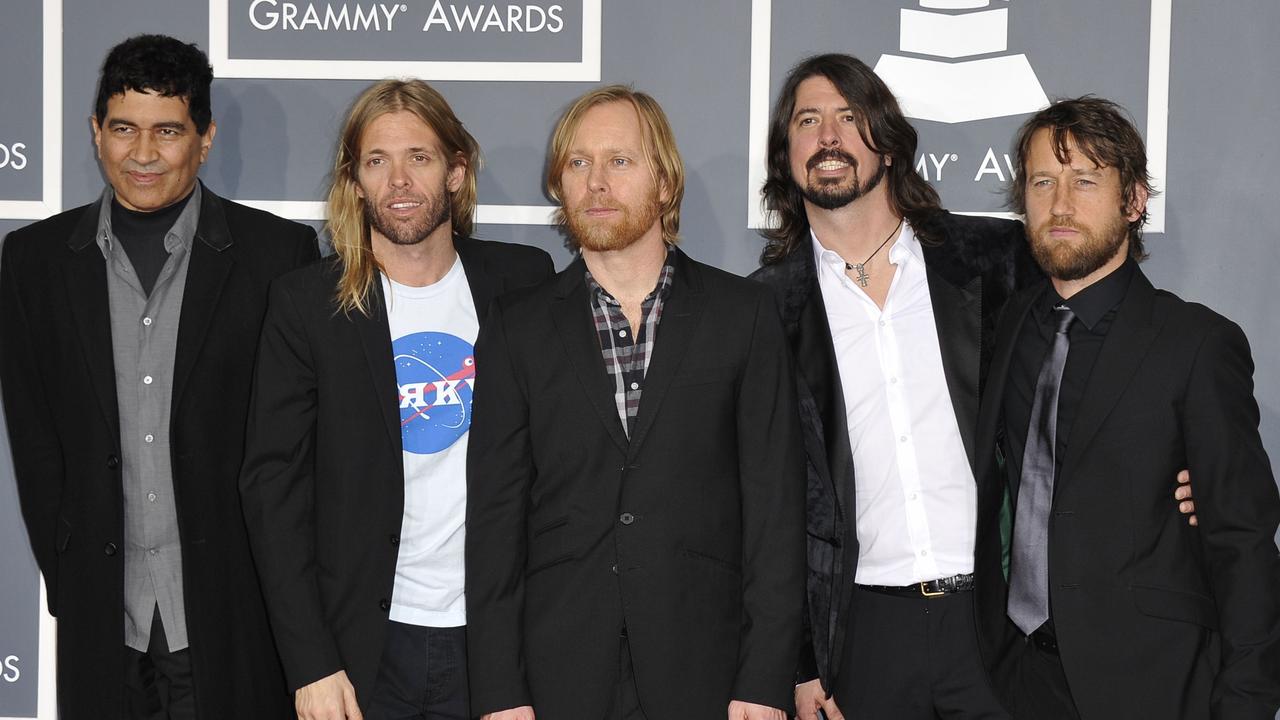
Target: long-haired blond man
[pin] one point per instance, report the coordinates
(354, 485)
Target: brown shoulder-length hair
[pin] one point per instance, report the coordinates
(884, 129)
(659, 145)
(1102, 131)
(346, 222)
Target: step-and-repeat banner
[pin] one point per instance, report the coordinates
(1193, 75)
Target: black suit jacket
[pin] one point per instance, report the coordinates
(973, 264)
(689, 534)
(323, 480)
(59, 385)
(1154, 618)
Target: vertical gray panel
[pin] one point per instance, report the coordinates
(21, 112)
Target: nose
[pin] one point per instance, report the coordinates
(399, 176)
(144, 150)
(1061, 205)
(596, 181)
(827, 135)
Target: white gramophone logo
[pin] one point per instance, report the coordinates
(952, 91)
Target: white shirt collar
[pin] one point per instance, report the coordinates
(907, 246)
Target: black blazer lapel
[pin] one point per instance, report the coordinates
(571, 312)
(207, 270)
(1122, 353)
(680, 314)
(957, 313)
(991, 416)
(375, 339)
(485, 286)
(87, 289)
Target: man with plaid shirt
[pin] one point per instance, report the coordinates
(635, 513)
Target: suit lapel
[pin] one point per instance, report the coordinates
(90, 308)
(207, 270)
(957, 313)
(680, 314)
(484, 285)
(375, 339)
(991, 415)
(571, 312)
(1123, 352)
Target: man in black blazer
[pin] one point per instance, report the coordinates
(1101, 387)
(635, 540)
(128, 328)
(354, 476)
(889, 304)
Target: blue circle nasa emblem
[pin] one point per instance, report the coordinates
(436, 373)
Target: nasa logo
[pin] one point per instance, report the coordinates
(436, 373)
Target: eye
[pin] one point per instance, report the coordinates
(122, 130)
(805, 121)
(373, 162)
(1041, 183)
(621, 162)
(848, 117)
(420, 158)
(1084, 182)
(577, 163)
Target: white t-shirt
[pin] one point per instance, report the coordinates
(433, 334)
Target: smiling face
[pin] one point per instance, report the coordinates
(149, 149)
(829, 159)
(610, 197)
(1077, 221)
(405, 179)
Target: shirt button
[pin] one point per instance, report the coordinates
(152, 551)
(635, 386)
(914, 496)
(902, 439)
(146, 321)
(924, 553)
(146, 380)
(893, 381)
(151, 496)
(149, 438)
(627, 518)
(109, 549)
(883, 323)
(622, 333)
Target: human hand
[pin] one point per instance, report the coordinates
(810, 698)
(524, 712)
(739, 710)
(329, 698)
(1187, 506)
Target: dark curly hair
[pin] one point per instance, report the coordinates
(1102, 131)
(163, 65)
(884, 129)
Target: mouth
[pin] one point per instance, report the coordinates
(403, 207)
(599, 211)
(142, 178)
(830, 161)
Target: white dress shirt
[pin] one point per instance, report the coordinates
(916, 496)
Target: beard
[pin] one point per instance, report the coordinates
(828, 193)
(436, 209)
(616, 234)
(1076, 259)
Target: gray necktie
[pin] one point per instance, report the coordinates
(1029, 572)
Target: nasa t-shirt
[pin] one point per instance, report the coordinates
(433, 332)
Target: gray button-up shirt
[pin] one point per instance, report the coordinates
(144, 338)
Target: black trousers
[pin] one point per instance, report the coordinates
(914, 659)
(157, 683)
(422, 675)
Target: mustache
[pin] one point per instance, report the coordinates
(151, 168)
(1063, 221)
(831, 154)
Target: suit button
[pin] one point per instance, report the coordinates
(395, 540)
(615, 569)
(385, 604)
(627, 518)
(109, 549)
(113, 462)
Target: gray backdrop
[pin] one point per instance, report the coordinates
(275, 136)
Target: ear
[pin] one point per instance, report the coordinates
(1138, 204)
(888, 160)
(206, 141)
(457, 173)
(97, 134)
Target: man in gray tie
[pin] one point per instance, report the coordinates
(1101, 388)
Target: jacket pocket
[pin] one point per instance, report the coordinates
(1179, 605)
(701, 557)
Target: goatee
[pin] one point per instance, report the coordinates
(829, 194)
(1075, 259)
(409, 231)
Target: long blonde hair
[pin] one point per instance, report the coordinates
(346, 222)
(659, 143)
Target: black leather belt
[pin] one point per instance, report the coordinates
(931, 588)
